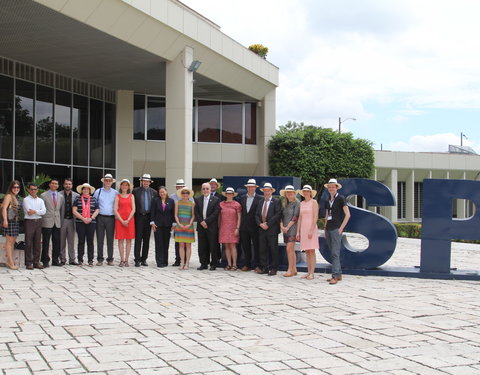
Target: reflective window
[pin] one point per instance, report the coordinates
(155, 118)
(63, 127)
(24, 174)
(44, 119)
(250, 123)
(139, 117)
(109, 135)
(53, 171)
(6, 175)
(95, 176)
(96, 133)
(80, 176)
(6, 117)
(80, 130)
(24, 131)
(208, 121)
(232, 120)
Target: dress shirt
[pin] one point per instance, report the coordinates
(205, 205)
(267, 203)
(68, 206)
(106, 200)
(37, 204)
(250, 201)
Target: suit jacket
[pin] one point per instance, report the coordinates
(248, 222)
(219, 196)
(54, 215)
(274, 214)
(138, 194)
(74, 196)
(160, 217)
(212, 212)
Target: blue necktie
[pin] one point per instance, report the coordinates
(146, 201)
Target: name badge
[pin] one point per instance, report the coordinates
(329, 217)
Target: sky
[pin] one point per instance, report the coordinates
(408, 71)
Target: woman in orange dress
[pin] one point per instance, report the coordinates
(124, 209)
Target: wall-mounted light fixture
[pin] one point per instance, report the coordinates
(194, 66)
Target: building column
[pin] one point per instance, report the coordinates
(124, 135)
(178, 109)
(461, 204)
(266, 129)
(410, 197)
(391, 182)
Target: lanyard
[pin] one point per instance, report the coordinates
(331, 201)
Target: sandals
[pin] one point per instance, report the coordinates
(233, 268)
(228, 268)
(308, 276)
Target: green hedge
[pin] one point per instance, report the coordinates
(409, 230)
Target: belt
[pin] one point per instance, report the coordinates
(33, 219)
(106, 215)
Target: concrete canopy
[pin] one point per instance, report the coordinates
(51, 39)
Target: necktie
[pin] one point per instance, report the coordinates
(55, 200)
(264, 212)
(146, 201)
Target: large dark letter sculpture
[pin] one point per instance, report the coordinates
(380, 232)
(438, 226)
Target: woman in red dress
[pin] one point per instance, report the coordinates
(229, 218)
(124, 209)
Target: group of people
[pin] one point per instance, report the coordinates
(250, 222)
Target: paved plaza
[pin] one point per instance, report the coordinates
(112, 320)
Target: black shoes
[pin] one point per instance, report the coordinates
(137, 264)
(45, 265)
(272, 273)
(263, 272)
(176, 264)
(73, 263)
(144, 264)
(161, 265)
(202, 267)
(213, 268)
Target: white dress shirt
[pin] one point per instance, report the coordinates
(37, 204)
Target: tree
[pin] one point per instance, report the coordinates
(317, 154)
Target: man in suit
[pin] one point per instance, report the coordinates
(269, 213)
(143, 203)
(51, 223)
(214, 193)
(249, 227)
(206, 214)
(67, 232)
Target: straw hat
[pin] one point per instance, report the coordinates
(287, 188)
(267, 185)
(333, 181)
(229, 190)
(108, 176)
(180, 182)
(127, 181)
(146, 177)
(179, 192)
(251, 182)
(85, 184)
(307, 188)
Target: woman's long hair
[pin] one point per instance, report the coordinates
(10, 191)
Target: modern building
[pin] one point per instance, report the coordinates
(128, 87)
(403, 173)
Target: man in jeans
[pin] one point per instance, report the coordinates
(106, 218)
(337, 215)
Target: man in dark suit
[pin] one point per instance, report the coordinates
(206, 214)
(249, 227)
(143, 203)
(214, 193)
(269, 213)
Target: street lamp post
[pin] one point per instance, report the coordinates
(340, 122)
(461, 138)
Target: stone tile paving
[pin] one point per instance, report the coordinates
(112, 320)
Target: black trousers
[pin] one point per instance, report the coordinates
(142, 236)
(53, 233)
(208, 246)
(105, 224)
(249, 241)
(162, 240)
(33, 241)
(268, 245)
(85, 232)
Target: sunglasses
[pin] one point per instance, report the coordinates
(16, 187)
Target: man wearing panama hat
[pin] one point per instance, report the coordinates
(143, 202)
(249, 227)
(269, 212)
(337, 215)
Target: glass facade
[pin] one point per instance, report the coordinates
(54, 130)
(212, 121)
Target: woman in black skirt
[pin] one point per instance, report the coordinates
(10, 221)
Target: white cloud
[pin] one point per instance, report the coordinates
(430, 143)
